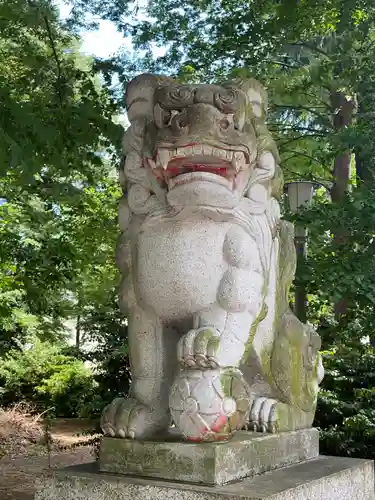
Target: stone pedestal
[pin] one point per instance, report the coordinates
(247, 454)
(322, 478)
(251, 466)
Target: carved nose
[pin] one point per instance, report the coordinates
(205, 119)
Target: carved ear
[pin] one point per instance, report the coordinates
(256, 95)
(258, 99)
(139, 96)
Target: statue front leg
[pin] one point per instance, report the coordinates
(152, 352)
(210, 398)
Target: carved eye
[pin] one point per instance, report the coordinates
(224, 123)
(162, 116)
(179, 121)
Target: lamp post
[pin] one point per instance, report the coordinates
(300, 195)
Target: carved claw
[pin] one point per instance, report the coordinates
(263, 415)
(197, 349)
(127, 418)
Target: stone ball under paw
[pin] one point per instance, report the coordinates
(209, 405)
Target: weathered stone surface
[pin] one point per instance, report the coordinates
(324, 478)
(207, 265)
(248, 453)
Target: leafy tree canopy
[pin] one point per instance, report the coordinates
(58, 148)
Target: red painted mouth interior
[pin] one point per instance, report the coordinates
(168, 164)
(179, 166)
(175, 170)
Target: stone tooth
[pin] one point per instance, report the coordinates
(180, 152)
(216, 152)
(207, 150)
(197, 150)
(242, 160)
(229, 155)
(163, 156)
(223, 154)
(235, 164)
(188, 151)
(238, 160)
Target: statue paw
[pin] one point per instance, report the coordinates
(263, 415)
(127, 418)
(197, 349)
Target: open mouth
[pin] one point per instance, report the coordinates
(198, 162)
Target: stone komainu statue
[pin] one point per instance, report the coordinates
(207, 265)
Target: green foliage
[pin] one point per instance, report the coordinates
(58, 143)
(41, 374)
(346, 404)
(337, 270)
(54, 115)
(55, 260)
(106, 326)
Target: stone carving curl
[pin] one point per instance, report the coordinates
(175, 97)
(227, 101)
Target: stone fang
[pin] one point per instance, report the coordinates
(164, 156)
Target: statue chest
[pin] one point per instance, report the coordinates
(179, 266)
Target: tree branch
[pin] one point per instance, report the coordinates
(310, 47)
(282, 64)
(304, 136)
(304, 155)
(305, 108)
(297, 175)
(296, 128)
(313, 96)
(58, 64)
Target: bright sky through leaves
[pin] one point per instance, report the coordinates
(103, 42)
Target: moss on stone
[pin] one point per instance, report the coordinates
(208, 337)
(226, 380)
(265, 358)
(216, 463)
(253, 330)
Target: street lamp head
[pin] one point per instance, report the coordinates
(300, 194)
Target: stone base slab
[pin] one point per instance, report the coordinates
(247, 454)
(323, 478)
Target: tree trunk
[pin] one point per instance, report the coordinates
(78, 332)
(364, 155)
(300, 304)
(342, 112)
(342, 109)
